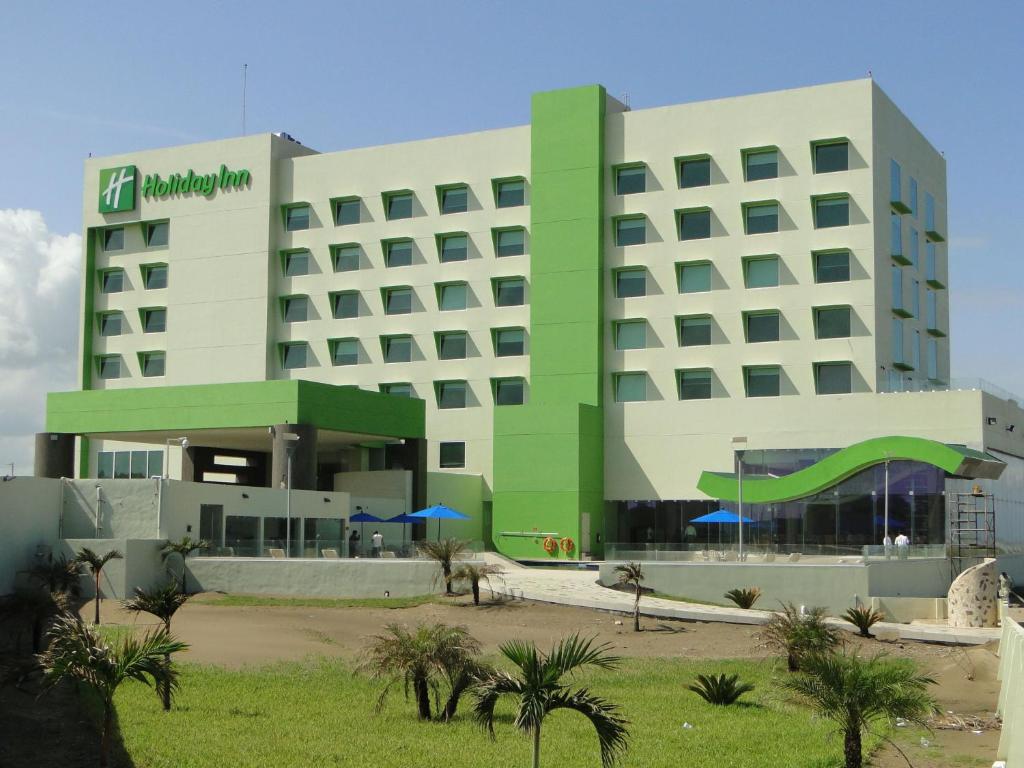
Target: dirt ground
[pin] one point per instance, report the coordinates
(238, 636)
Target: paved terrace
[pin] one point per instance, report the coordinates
(580, 588)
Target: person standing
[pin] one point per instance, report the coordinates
(353, 544)
(377, 541)
(887, 546)
(902, 546)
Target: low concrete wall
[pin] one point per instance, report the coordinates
(1011, 703)
(904, 610)
(315, 578)
(140, 565)
(28, 520)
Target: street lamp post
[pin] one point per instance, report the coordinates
(738, 452)
(291, 440)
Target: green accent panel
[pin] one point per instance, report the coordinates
(954, 459)
(221, 406)
(549, 454)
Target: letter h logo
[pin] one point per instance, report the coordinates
(117, 189)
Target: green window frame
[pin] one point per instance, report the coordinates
(761, 217)
(630, 386)
(297, 216)
(108, 366)
(154, 319)
(157, 233)
(396, 348)
(509, 241)
(630, 179)
(346, 257)
(111, 323)
(347, 210)
(344, 351)
(452, 247)
(762, 326)
(831, 211)
(833, 322)
(113, 239)
(398, 300)
(452, 455)
(694, 276)
(344, 305)
(630, 282)
(451, 394)
(630, 334)
(452, 345)
(693, 171)
(153, 364)
(453, 198)
(762, 380)
(833, 378)
(693, 223)
(509, 342)
(397, 389)
(297, 262)
(509, 291)
(509, 391)
(830, 155)
(295, 309)
(694, 383)
(761, 271)
(630, 230)
(452, 296)
(760, 163)
(154, 276)
(294, 355)
(397, 252)
(832, 266)
(509, 192)
(694, 330)
(398, 204)
(112, 280)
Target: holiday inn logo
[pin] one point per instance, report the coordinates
(117, 189)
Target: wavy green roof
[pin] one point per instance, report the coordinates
(954, 459)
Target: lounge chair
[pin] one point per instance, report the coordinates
(794, 557)
(329, 554)
(387, 553)
(769, 557)
(277, 554)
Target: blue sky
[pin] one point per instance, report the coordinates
(115, 77)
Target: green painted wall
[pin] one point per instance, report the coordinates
(549, 453)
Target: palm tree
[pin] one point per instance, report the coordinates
(800, 634)
(162, 602)
(95, 563)
(855, 693)
(631, 574)
(474, 574)
(183, 549)
(78, 653)
(35, 607)
(444, 552)
(418, 659)
(60, 575)
(538, 686)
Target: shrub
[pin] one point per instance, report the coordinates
(744, 598)
(863, 618)
(800, 635)
(719, 689)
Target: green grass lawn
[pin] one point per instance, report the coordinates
(315, 602)
(318, 713)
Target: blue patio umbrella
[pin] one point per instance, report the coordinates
(439, 512)
(404, 520)
(720, 516)
(361, 518)
(893, 522)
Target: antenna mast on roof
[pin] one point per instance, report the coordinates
(245, 68)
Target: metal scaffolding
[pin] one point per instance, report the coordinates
(972, 529)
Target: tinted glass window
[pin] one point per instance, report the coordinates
(398, 349)
(630, 387)
(694, 385)
(453, 455)
(157, 233)
(509, 292)
(155, 321)
(510, 242)
(509, 342)
(833, 322)
(762, 218)
(508, 392)
(832, 212)
(762, 165)
(346, 352)
(346, 258)
(761, 273)
(398, 253)
(834, 378)
(451, 346)
(347, 212)
(832, 267)
(346, 305)
(398, 301)
(451, 394)
(694, 331)
(296, 264)
(153, 364)
(630, 231)
(156, 276)
(398, 390)
(297, 218)
(455, 200)
(631, 334)
(110, 367)
(629, 181)
(454, 248)
(630, 282)
(762, 327)
(510, 193)
(110, 325)
(694, 225)
(113, 239)
(295, 355)
(399, 206)
(831, 157)
(763, 382)
(113, 281)
(695, 173)
(296, 309)
(694, 278)
(452, 297)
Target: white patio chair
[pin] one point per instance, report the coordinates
(277, 554)
(329, 554)
(794, 557)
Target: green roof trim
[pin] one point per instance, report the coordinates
(954, 459)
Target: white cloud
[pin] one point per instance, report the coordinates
(39, 320)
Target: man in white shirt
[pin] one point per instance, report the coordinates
(887, 546)
(902, 546)
(377, 541)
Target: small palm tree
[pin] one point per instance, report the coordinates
(632, 574)
(855, 693)
(183, 549)
(719, 689)
(744, 598)
(444, 552)
(35, 607)
(95, 563)
(78, 653)
(162, 602)
(474, 574)
(863, 618)
(60, 575)
(538, 686)
(800, 635)
(420, 659)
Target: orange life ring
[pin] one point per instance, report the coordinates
(550, 546)
(568, 545)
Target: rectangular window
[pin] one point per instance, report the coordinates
(630, 387)
(452, 296)
(509, 342)
(122, 465)
(398, 389)
(397, 349)
(155, 464)
(897, 287)
(929, 262)
(397, 253)
(761, 326)
(345, 352)
(397, 301)
(694, 384)
(631, 231)
(451, 394)
(454, 248)
(509, 391)
(111, 324)
(153, 363)
(510, 193)
(157, 234)
(761, 272)
(296, 309)
(138, 465)
(915, 247)
(895, 183)
(453, 455)
(297, 263)
(929, 213)
(833, 378)
(831, 157)
(112, 281)
(455, 200)
(933, 359)
(113, 239)
(347, 211)
(694, 224)
(154, 276)
(759, 218)
(896, 237)
(451, 345)
(694, 278)
(630, 334)
(345, 305)
(832, 322)
(931, 307)
(897, 340)
(629, 181)
(915, 298)
(105, 464)
(915, 351)
(295, 355)
(346, 258)
(761, 164)
(831, 212)
(694, 172)
(397, 205)
(694, 331)
(912, 191)
(154, 320)
(509, 291)
(763, 381)
(509, 242)
(109, 367)
(630, 282)
(296, 218)
(832, 267)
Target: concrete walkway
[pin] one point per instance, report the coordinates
(580, 588)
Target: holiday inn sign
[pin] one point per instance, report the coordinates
(117, 185)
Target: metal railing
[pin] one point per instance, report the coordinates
(729, 552)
